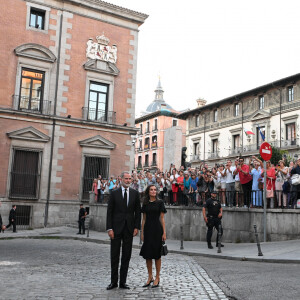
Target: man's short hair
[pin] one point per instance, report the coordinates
(123, 173)
(81, 204)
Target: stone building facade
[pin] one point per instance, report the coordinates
(67, 102)
(161, 136)
(216, 132)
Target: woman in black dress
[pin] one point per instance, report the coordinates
(153, 232)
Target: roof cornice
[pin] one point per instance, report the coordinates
(238, 97)
(158, 113)
(111, 9)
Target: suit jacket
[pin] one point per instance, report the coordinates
(119, 214)
(12, 215)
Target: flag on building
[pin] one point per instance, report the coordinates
(261, 134)
(248, 132)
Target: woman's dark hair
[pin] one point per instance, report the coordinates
(147, 197)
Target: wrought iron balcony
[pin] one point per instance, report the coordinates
(31, 104)
(102, 116)
(236, 150)
(154, 145)
(195, 157)
(213, 155)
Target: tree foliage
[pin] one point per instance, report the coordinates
(277, 155)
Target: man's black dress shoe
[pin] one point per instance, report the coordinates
(112, 286)
(221, 245)
(210, 246)
(78, 233)
(124, 286)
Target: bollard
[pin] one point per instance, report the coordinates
(219, 238)
(181, 238)
(257, 241)
(88, 226)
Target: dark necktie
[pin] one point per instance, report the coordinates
(125, 196)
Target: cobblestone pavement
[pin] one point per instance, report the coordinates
(72, 269)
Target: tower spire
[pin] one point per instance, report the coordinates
(159, 92)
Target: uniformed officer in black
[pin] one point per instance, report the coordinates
(213, 217)
(12, 219)
(81, 219)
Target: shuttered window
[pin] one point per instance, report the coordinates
(25, 174)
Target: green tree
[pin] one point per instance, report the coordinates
(277, 155)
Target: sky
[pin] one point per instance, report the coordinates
(213, 49)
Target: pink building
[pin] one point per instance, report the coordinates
(161, 136)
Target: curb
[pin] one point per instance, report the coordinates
(219, 256)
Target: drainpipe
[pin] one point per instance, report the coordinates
(53, 123)
(204, 135)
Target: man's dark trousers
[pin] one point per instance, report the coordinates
(211, 223)
(126, 238)
(81, 225)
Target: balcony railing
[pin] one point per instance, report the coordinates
(31, 105)
(213, 155)
(154, 145)
(194, 157)
(154, 128)
(154, 164)
(102, 116)
(236, 150)
(139, 149)
(147, 130)
(286, 143)
(146, 165)
(146, 146)
(139, 167)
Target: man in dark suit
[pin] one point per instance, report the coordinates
(12, 218)
(122, 224)
(81, 219)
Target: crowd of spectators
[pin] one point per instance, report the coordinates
(238, 184)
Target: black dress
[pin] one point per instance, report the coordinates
(153, 230)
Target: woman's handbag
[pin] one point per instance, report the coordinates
(295, 179)
(270, 193)
(164, 249)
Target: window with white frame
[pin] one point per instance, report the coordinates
(98, 101)
(291, 133)
(236, 109)
(236, 141)
(261, 102)
(37, 18)
(215, 146)
(31, 90)
(197, 121)
(290, 93)
(215, 115)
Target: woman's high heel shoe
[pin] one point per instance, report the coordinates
(148, 284)
(155, 285)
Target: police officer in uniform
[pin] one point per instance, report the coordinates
(213, 217)
(81, 219)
